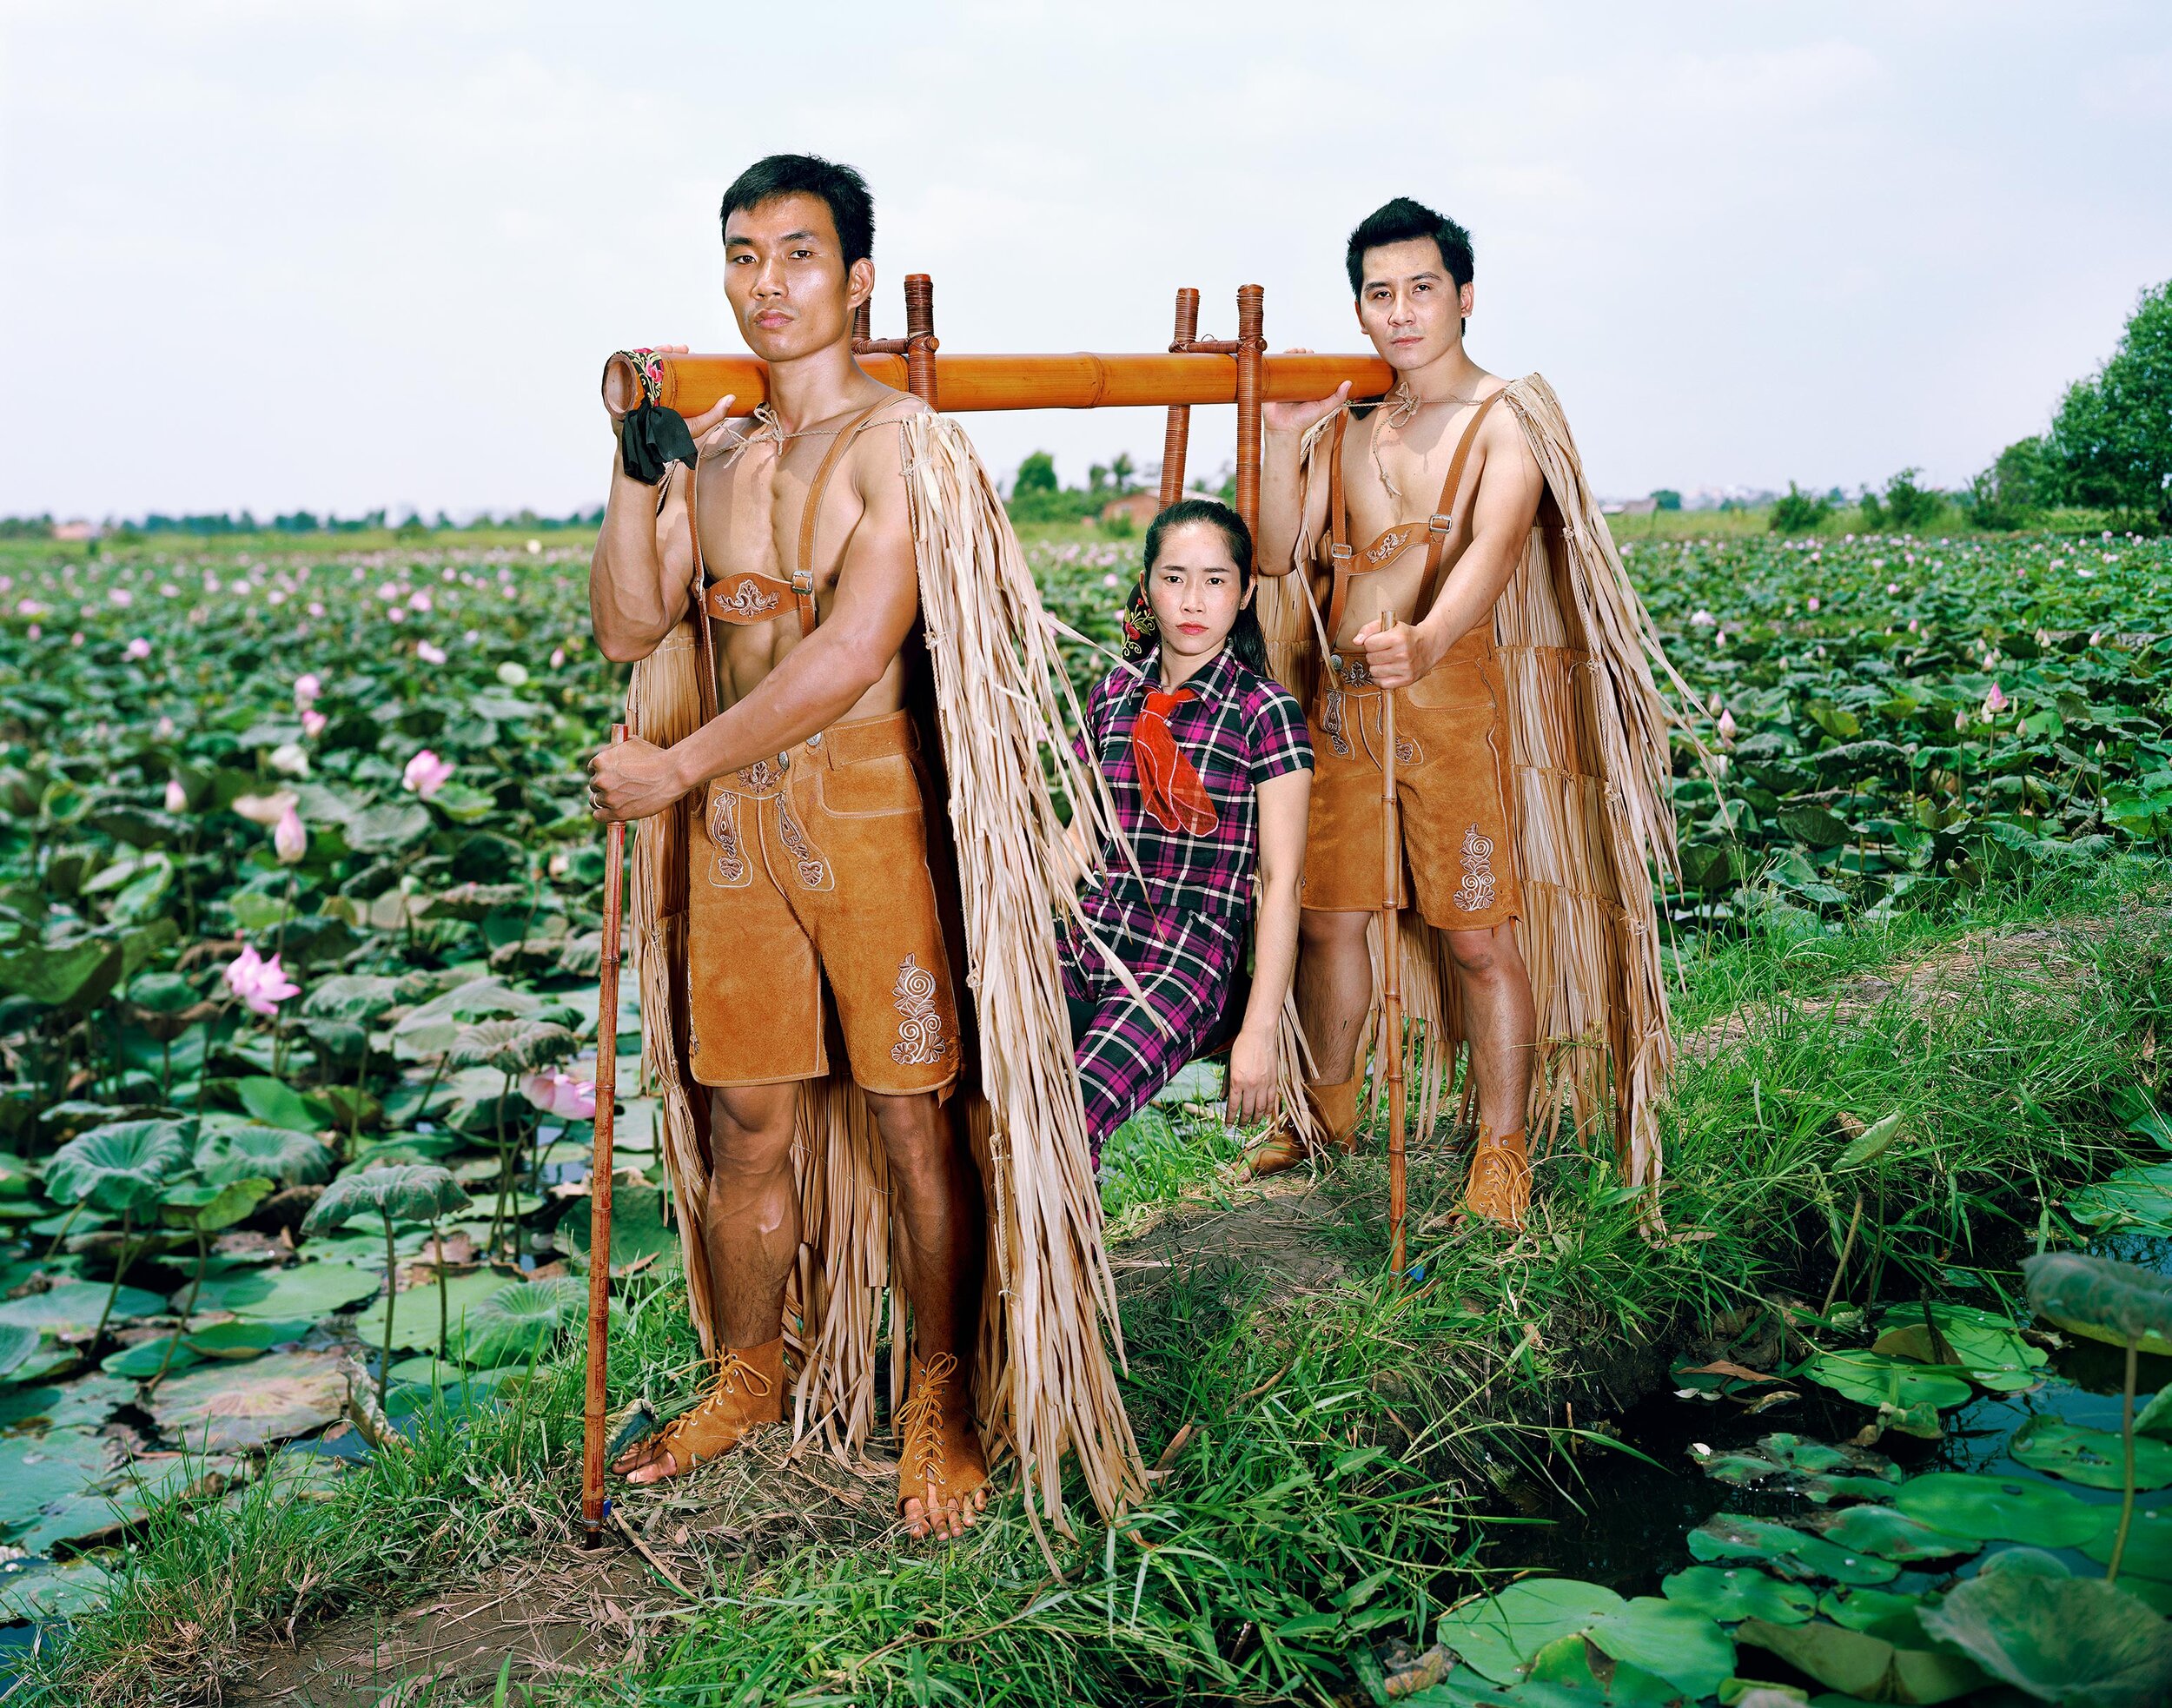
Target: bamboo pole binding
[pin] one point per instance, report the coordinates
(593, 1505)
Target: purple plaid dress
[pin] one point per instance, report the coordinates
(1179, 925)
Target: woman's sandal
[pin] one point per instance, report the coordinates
(748, 1390)
(941, 1462)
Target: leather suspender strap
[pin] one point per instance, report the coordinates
(705, 643)
(1443, 520)
(802, 575)
(1338, 528)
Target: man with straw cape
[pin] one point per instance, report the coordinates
(834, 634)
(1464, 568)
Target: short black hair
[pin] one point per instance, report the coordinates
(838, 188)
(1400, 220)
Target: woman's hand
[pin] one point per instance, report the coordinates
(1252, 1095)
(632, 779)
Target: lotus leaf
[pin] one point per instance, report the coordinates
(1669, 1640)
(512, 1046)
(122, 1166)
(1875, 1379)
(242, 1338)
(1865, 1667)
(1728, 1593)
(277, 1104)
(308, 1290)
(2093, 1458)
(291, 1157)
(2149, 1544)
(1791, 1553)
(72, 976)
(39, 1590)
(1988, 1346)
(2136, 1199)
(73, 1307)
(1883, 1612)
(1871, 1142)
(90, 1400)
(350, 996)
(2154, 1420)
(37, 1470)
(281, 1394)
(207, 1208)
(638, 1229)
(142, 1361)
(1998, 1509)
(1498, 1635)
(2142, 1116)
(2117, 1297)
(386, 829)
(2156, 1346)
(404, 1192)
(510, 1325)
(416, 1317)
(1890, 1534)
(17, 1341)
(429, 1029)
(2076, 1640)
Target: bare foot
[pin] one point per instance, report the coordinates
(943, 1471)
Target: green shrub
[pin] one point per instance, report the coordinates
(2112, 439)
(1667, 499)
(1798, 512)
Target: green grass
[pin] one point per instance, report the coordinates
(1331, 1489)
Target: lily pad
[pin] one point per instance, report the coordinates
(2064, 1639)
(513, 1323)
(1729, 1593)
(36, 1470)
(1883, 1612)
(232, 1408)
(1878, 1379)
(2120, 1298)
(1867, 1668)
(90, 1400)
(309, 1290)
(42, 1591)
(1793, 1553)
(1891, 1534)
(1988, 1347)
(2135, 1199)
(2148, 1542)
(2093, 1458)
(1498, 1635)
(17, 1341)
(414, 1319)
(637, 1228)
(242, 1339)
(73, 1307)
(1998, 1509)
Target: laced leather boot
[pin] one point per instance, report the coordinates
(1498, 1187)
(1334, 1106)
(939, 1448)
(747, 1391)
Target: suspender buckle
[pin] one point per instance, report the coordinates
(802, 582)
(1439, 524)
(1339, 552)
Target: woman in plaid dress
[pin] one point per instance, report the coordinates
(1210, 768)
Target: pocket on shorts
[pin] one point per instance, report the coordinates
(875, 788)
(1454, 684)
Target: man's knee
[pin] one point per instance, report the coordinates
(914, 1129)
(1320, 929)
(1489, 957)
(750, 1129)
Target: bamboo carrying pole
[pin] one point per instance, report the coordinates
(967, 384)
(592, 1504)
(1391, 970)
(1176, 437)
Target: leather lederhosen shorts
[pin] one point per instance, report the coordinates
(1453, 792)
(813, 868)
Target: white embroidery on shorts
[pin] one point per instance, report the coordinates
(921, 1043)
(728, 870)
(1475, 894)
(813, 873)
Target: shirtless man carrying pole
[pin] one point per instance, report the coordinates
(1445, 488)
(811, 848)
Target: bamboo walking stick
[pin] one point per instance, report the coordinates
(1391, 971)
(592, 1504)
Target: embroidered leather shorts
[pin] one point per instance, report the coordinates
(811, 869)
(1453, 792)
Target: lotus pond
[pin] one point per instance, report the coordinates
(298, 946)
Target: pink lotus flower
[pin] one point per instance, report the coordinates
(1726, 724)
(1701, 619)
(1813, 601)
(262, 985)
(429, 654)
(426, 774)
(290, 839)
(139, 648)
(561, 1094)
(1995, 702)
(165, 729)
(177, 797)
(1892, 587)
(307, 685)
(558, 656)
(313, 722)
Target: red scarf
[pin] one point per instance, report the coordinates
(1169, 787)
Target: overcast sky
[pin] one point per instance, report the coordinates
(360, 253)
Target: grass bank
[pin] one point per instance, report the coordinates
(1330, 1455)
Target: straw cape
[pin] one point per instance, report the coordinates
(988, 700)
(1594, 822)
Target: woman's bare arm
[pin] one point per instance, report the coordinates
(1285, 805)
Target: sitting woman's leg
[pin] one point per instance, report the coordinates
(1129, 1048)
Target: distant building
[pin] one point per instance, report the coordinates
(1629, 506)
(77, 529)
(1142, 508)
